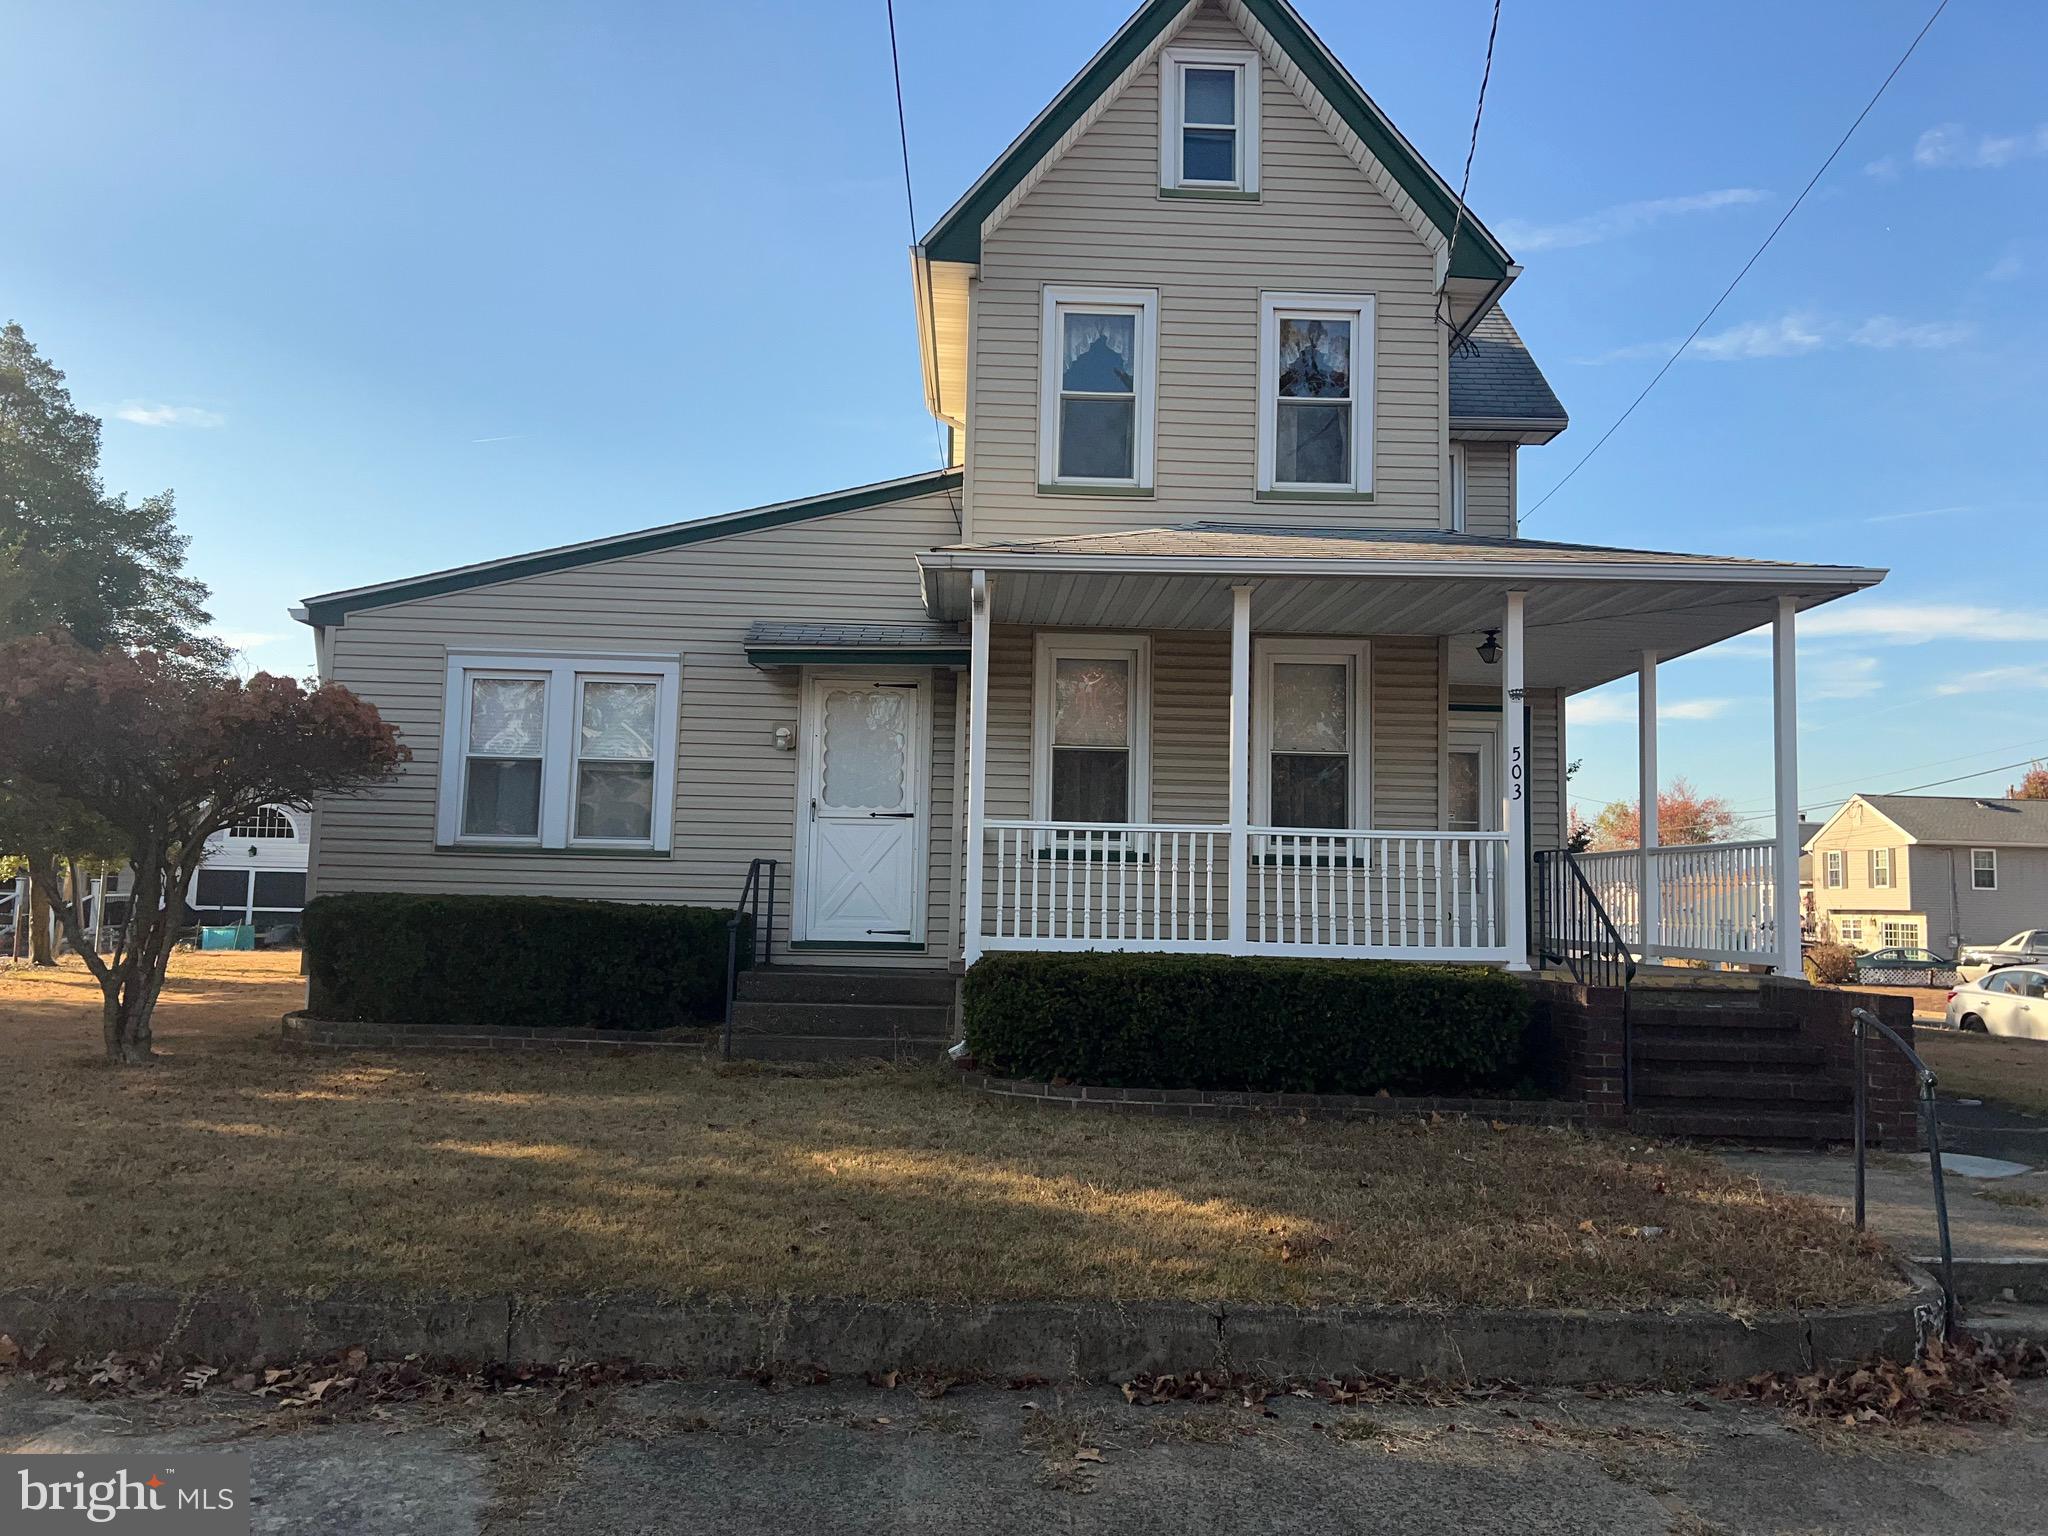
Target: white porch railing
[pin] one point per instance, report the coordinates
(1715, 901)
(1421, 895)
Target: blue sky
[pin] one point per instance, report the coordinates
(383, 288)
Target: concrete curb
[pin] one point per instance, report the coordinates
(2023, 1280)
(1001, 1340)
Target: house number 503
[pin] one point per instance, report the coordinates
(1515, 773)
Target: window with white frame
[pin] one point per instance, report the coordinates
(266, 821)
(1850, 928)
(1096, 404)
(1837, 875)
(1315, 394)
(1091, 729)
(558, 752)
(1901, 935)
(1880, 869)
(1308, 720)
(1209, 122)
(1983, 869)
(1457, 489)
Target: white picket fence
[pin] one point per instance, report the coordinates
(1715, 901)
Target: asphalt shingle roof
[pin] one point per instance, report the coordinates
(1493, 378)
(1965, 819)
(1251, 541)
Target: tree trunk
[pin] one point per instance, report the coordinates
(40, 950)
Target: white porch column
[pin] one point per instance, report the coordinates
(1785, 719)
(1240, 763)
(977, 765)
(1514, 778)
(1649, 897)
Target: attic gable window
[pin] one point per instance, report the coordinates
(1096, 400)
(1209, 123)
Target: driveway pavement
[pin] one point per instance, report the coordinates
(847, 1458)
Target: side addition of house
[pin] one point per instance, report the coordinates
(1216, 633)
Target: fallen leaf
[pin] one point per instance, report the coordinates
(1087, 1453)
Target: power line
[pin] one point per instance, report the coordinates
(1472, 149)
(1842, 144)
(1938, 762)
(910, 208)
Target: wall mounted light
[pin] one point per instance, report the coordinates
(1489, 648)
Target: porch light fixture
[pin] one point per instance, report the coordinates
(1489, 648)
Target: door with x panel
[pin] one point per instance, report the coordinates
(863, 810)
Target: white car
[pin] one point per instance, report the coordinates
(2013, 1002)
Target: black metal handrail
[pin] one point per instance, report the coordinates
(1574, 930)
(1862, 1021)
(748, 907)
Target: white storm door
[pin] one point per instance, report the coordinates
(863, 811)
(1474, 762)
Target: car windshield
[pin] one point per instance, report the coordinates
(2017, 941)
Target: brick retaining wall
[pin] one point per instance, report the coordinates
(302, 1031)
(1185, 1102)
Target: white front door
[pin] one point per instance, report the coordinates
(862, 810)
(1474, 780)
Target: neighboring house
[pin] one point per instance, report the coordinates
(1806, 903)
(1931, 871)
(1216, 635)
(253, 872)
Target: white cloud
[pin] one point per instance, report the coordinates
(1620, 219)
(143, 413)
(2005, 269)
(1949, 145)
(1620, 709)
(1840, 677)
(1919, 623)
(244, 639)
(1995, 680)
(1799, 335)
(1914, 517)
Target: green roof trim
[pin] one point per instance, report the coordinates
(334, 607)
(957, 237)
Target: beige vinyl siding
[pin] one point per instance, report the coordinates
(1489, 488)
(1191, 728)
(1854, 832)
(1097, 218)
(1546, 769)
(735, 793)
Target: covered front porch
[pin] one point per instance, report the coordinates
(1331, 743)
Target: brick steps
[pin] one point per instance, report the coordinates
(1721, 1065)
(805, 1013)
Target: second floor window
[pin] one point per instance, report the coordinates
(1880, 868)
(1095, 426)
(1315, 394)
(1983, 869)
(1837, 877)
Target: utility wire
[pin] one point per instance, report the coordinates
(1472, 149)
(910, 208)
(1840, 145)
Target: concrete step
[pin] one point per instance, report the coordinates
(902, 1048)
(846, 1021)
(2005, 1322)
(1995, 1281)
(1727, 1090)
(1772, 1127)
(817, 984)
(1725, 1055)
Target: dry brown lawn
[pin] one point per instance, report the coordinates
(235, 1161)
(2013, 1072)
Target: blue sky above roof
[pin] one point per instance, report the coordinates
(397, 287)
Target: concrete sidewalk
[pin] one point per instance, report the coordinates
(2005, 1218)
(849, 1458)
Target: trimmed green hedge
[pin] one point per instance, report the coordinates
(530, 961)
(1227, 1022)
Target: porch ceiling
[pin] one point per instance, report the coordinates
(1591, 611)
